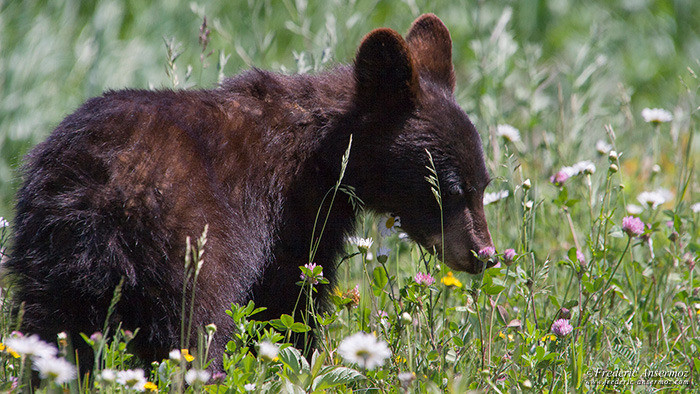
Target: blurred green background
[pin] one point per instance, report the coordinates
(546, 66)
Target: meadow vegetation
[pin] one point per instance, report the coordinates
(588, 113)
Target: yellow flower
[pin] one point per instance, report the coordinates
(503, 336)
(6, 349)
(186, 354)
(337, 292)
(550, 337)
(150, 386)
(450, 280)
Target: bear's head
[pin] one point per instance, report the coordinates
(405, 93)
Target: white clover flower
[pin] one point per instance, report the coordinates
(363, 244)
(249, 386)
(508, 132)
(108, 375)
(31, 346)
(364, 349)
(388, 225)
(603, 147)
(268, 351)
(3, 222)
(495, 197)
(197, 376)
(656, 115)
(634, 209)
(695, 207)
(55, 369)
(133, 379)
(175, 355)
(654, 198)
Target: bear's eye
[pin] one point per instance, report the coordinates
(456, 190)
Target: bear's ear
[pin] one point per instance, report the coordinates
(431, 45)
(385, 73)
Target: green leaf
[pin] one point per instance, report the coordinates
(287, 320)
(571, 203)
(570, 304)
(433, 355)
(248, 363)
(554, 301)
(543, 364)
(335, 376)
(493, 289)
(299, 327)
(278, 325)
(327, 318)
(380, 280)
(578, 367)
(292, 359)
(317, 362)
(290, 387)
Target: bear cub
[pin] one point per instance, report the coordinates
(115, 190)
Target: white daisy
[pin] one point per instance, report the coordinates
(495, 197)
(388, 225)
(363, 244)
(133, 379)
(268, 351)
(31, 346)
(249, 386)
(406, 379)
(55, 369)
(175, 355)
(508, 132)
(634, 209)
(108, 375)
(695, 207)
(603, 147)
(197, 376)
(584, 167)
(654, 198)
(364, 349)
(656, 115)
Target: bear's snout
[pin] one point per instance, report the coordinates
(465, 236)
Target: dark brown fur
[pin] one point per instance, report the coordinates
(119, 185)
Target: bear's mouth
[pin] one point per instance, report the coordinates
(468, 263)
(462, 260)
(459, 255)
